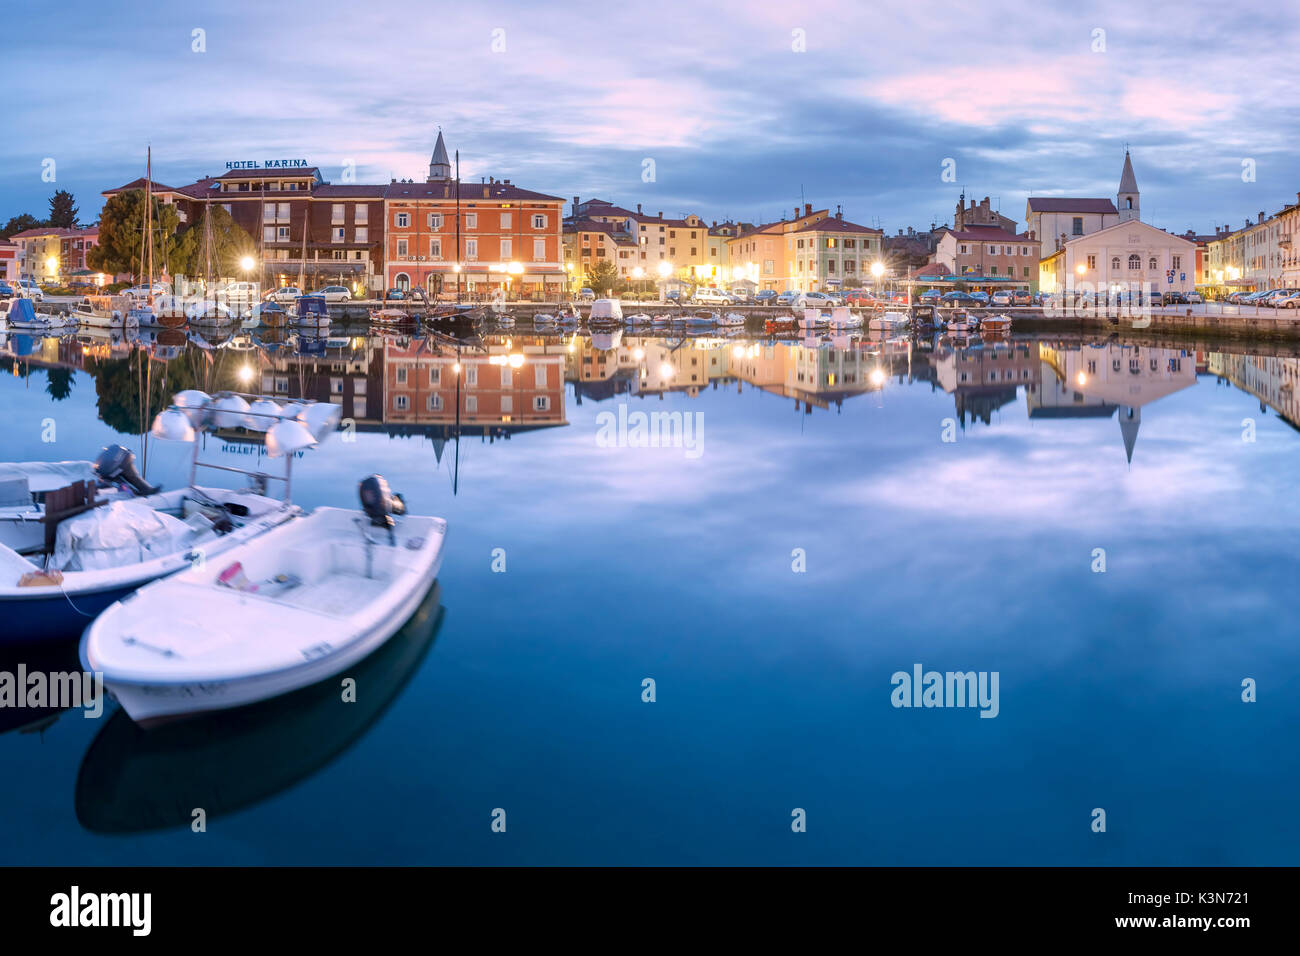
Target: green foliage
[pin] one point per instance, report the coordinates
(63, 210)
(58, 383)
(18, 224)
(228, 243)
(601, 277)
(120, 227)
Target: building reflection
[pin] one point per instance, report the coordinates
(1270, 378)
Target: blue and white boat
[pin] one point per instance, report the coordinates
(311, 311)
(94, 552)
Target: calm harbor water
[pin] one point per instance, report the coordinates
(945, 503)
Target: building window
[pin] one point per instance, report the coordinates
(401, 369)
(539, 250)
(435, 220)
(506, 220)
(1134, 262)
(471, 220)
(539, 376)
(402, 280)
(403, 249)
(435, 248)
(1114, 264)
(1078, 225)
(360, 214)
(507, 249)
(400, 402)
(541, 403)
(336, 212)
(993, 270)
(471, 403)
(435, 403)
(1092, 262)
(539, 222)
(507, 404)
(361, 234)
(506, 377)
(960, 249)
(471, 248)
(336, 234)
(403, 220)
(1178, 260)
(1152, 266)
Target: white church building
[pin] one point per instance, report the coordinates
(1119, 255)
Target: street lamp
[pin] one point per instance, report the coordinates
(665, 269)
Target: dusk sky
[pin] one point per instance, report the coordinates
(738, 124)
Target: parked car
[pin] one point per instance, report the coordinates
(284, 295)
(1022, 297)
(1194, 298)
(741, 297)
(1289, 301)
(672, 295)
(1001, 297)
(144, 291)
(787, 298)
(860, 297)
(713, 296)
(1174, 297)
(980, 297)
(815, 300)
(1274, 298)
(765, 297)
(586, 295)
(334, 293)
(7, 291)
(395, 294)
(932, 295)
(29, 288)
(958, 298)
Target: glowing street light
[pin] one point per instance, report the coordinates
(665, 269)
(246, 263)
(877, 269)
(514, 268)
(245, 373)
(638, 273)
(1081, 268)
(666, 370)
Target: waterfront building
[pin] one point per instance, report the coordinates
(9, 258)
(1125, 253)
(983, 380)
(450, 237)
(53, 254)
(765, 254)
(589, 241)
(832, 253)
(302, 225)
(990, 255)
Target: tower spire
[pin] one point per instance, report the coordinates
(1128, 199)
(439, 164)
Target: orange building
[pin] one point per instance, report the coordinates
(509, 238)
(765, 255)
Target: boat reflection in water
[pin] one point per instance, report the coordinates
(57, 658)
(133, 780)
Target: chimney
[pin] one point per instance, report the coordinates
(487, 194)
(1261, 219)
(638, 212)
(575, 212)
(661, 215)
(807, 211)
(1031, 236)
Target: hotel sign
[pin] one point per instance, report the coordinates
(269, 164)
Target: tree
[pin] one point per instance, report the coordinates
(602, 276)
(58, 383)
(228, 243)
(63, 210)
(121, 225)
(18, 224)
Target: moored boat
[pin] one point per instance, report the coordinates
(605, 312)
(291, 608)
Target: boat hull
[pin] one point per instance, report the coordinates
(51, 614)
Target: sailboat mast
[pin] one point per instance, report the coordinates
(148, 218)
(460, 267)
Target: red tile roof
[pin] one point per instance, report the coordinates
(1064, 204)
(831, 224)
(139, 184)
(469, 192)
(987, 234)
(297, 172)
(349, 190)
(59, 231)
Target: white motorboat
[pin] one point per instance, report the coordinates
(94, 552)
(662, 320)
(961, 321)
(813, 319)
(23, 486)
(889, 322)
(842, 318)
(638, 320)
(605, 312)
(731, 319)
(293, 607)
(105, 311)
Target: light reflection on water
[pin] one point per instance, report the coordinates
(1118, 690)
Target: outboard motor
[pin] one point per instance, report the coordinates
(116, 464)
(380, 503)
